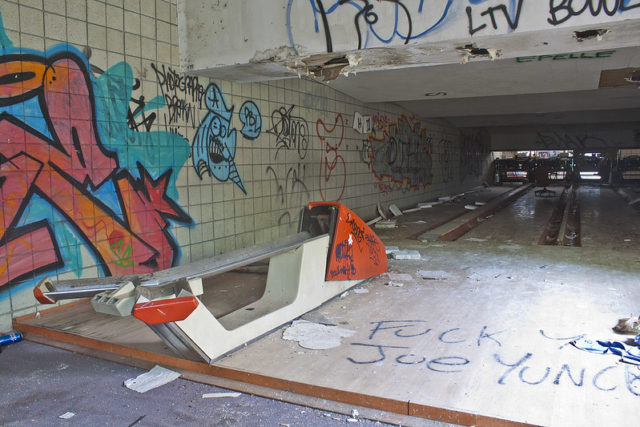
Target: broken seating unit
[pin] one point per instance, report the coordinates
(333, 251)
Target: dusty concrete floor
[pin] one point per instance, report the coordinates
(39, 383)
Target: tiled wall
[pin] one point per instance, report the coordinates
(100, 133)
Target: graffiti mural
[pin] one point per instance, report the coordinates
(74, 177)
(400, 152)
(214, 146)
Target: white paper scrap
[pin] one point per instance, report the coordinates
(67, 415)
(156, 377)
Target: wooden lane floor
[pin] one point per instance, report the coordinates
(607, 220)
(520, 223)
(413, 224)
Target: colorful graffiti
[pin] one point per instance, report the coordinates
(400, 152)
(214, 146)
(74, 178)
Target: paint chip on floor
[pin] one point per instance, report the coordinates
(315, 336)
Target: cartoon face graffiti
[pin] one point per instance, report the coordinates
(214, 146)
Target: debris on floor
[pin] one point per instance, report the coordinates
(629, 325)
(221, 395)
(628, 354)
(386, 223)
(433, 274)
(361, 291)
(395, 210)
(67, 415)
(156, 377)
(395, 284)
(406, 254)
(470, 207)
(391, 249)
(315, 336)
(475, 239)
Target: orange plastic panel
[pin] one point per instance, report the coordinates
(166, 310)
(356, 251)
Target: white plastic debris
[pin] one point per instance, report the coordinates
(344, 294)
(156, 377)
(475, 239)
(391, 249)
(355, 413)
(444, 198)
(395, 210)
(481, 203)
(406, 254)
(221, 394)
(67, 415)
(315, 336)
(395, 284)
(470, 207)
